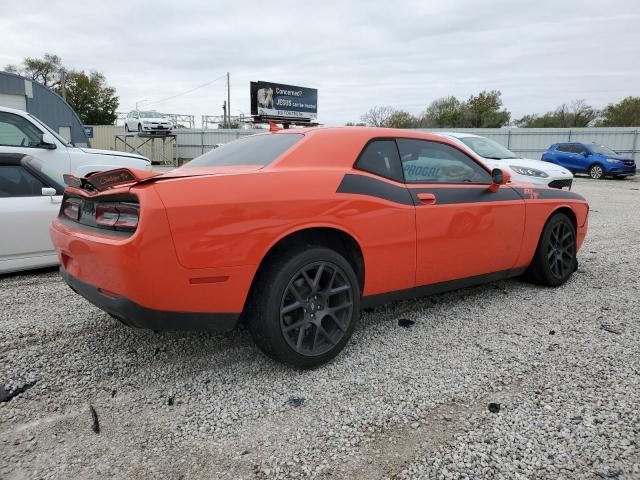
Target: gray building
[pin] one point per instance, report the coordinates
(24, 94)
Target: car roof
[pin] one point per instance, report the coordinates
(371, 132)
(11, 158)
(13, 110)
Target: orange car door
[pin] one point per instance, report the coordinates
(463, 229)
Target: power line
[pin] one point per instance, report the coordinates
(187, 91)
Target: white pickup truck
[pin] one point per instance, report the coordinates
(21, 132)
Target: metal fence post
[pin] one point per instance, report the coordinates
(569, 136)
(635, 144)
(202, 140)
(509, 139)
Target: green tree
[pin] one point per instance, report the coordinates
(485, 111)
(47, 70)
(625, 113)
(577, 114)
(446, 112)
(91, 98)
(401, 119)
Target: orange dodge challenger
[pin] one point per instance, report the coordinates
(295, 231)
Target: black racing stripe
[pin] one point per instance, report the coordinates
(453, 195)
(364, 185)
(549, 194)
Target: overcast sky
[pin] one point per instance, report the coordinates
(356, 53)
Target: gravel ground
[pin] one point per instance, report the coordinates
(506, 381)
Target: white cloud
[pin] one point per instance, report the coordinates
(358, 54)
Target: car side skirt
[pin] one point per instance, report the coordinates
(370, 301)
(134, 315)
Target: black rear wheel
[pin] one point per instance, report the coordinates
(555, 258)
(305, 307)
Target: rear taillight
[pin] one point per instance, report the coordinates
(119, 216)
(71, 208)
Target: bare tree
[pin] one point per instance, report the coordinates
(378, 116)
(582, 113)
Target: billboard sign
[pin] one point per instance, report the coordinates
(283, 101)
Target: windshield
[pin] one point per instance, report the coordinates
(151, 115)
(487, 148)
(61, 139)
(251, 150)
(601, 149)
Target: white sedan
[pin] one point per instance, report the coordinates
(521, 169)
(30, 197)
(147, 122)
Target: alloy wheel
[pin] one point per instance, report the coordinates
(316, 308)
(561, 250)
(596, 172)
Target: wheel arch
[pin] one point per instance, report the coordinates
(318, 235)
(568, 211)
(600, 164)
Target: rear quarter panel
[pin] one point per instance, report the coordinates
(230, 220)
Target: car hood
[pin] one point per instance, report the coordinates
(528, 163)
(618, 157)
(113, 153)
(155, 119)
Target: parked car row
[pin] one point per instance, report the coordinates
(34, 157)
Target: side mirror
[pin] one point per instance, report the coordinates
(47, 141)
(586, 154)
(499, 177)
(48, 192)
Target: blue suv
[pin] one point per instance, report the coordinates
(596, 160)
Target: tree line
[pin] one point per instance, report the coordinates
(88, 94)
(486, 110)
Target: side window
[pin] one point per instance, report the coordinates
(16, 131)
(15, 181)
(381, 158)
(432, 162)
(578, 148)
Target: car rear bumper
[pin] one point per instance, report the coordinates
(143, 267)
(134, 315)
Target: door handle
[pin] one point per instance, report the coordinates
(427, 198)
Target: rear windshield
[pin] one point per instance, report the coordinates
(252, 150)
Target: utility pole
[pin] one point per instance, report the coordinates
(229, 99)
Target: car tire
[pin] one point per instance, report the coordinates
(596, 171)
(555, 257)
(304, 306)
(139, 128)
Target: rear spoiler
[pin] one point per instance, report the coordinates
(101, 181)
